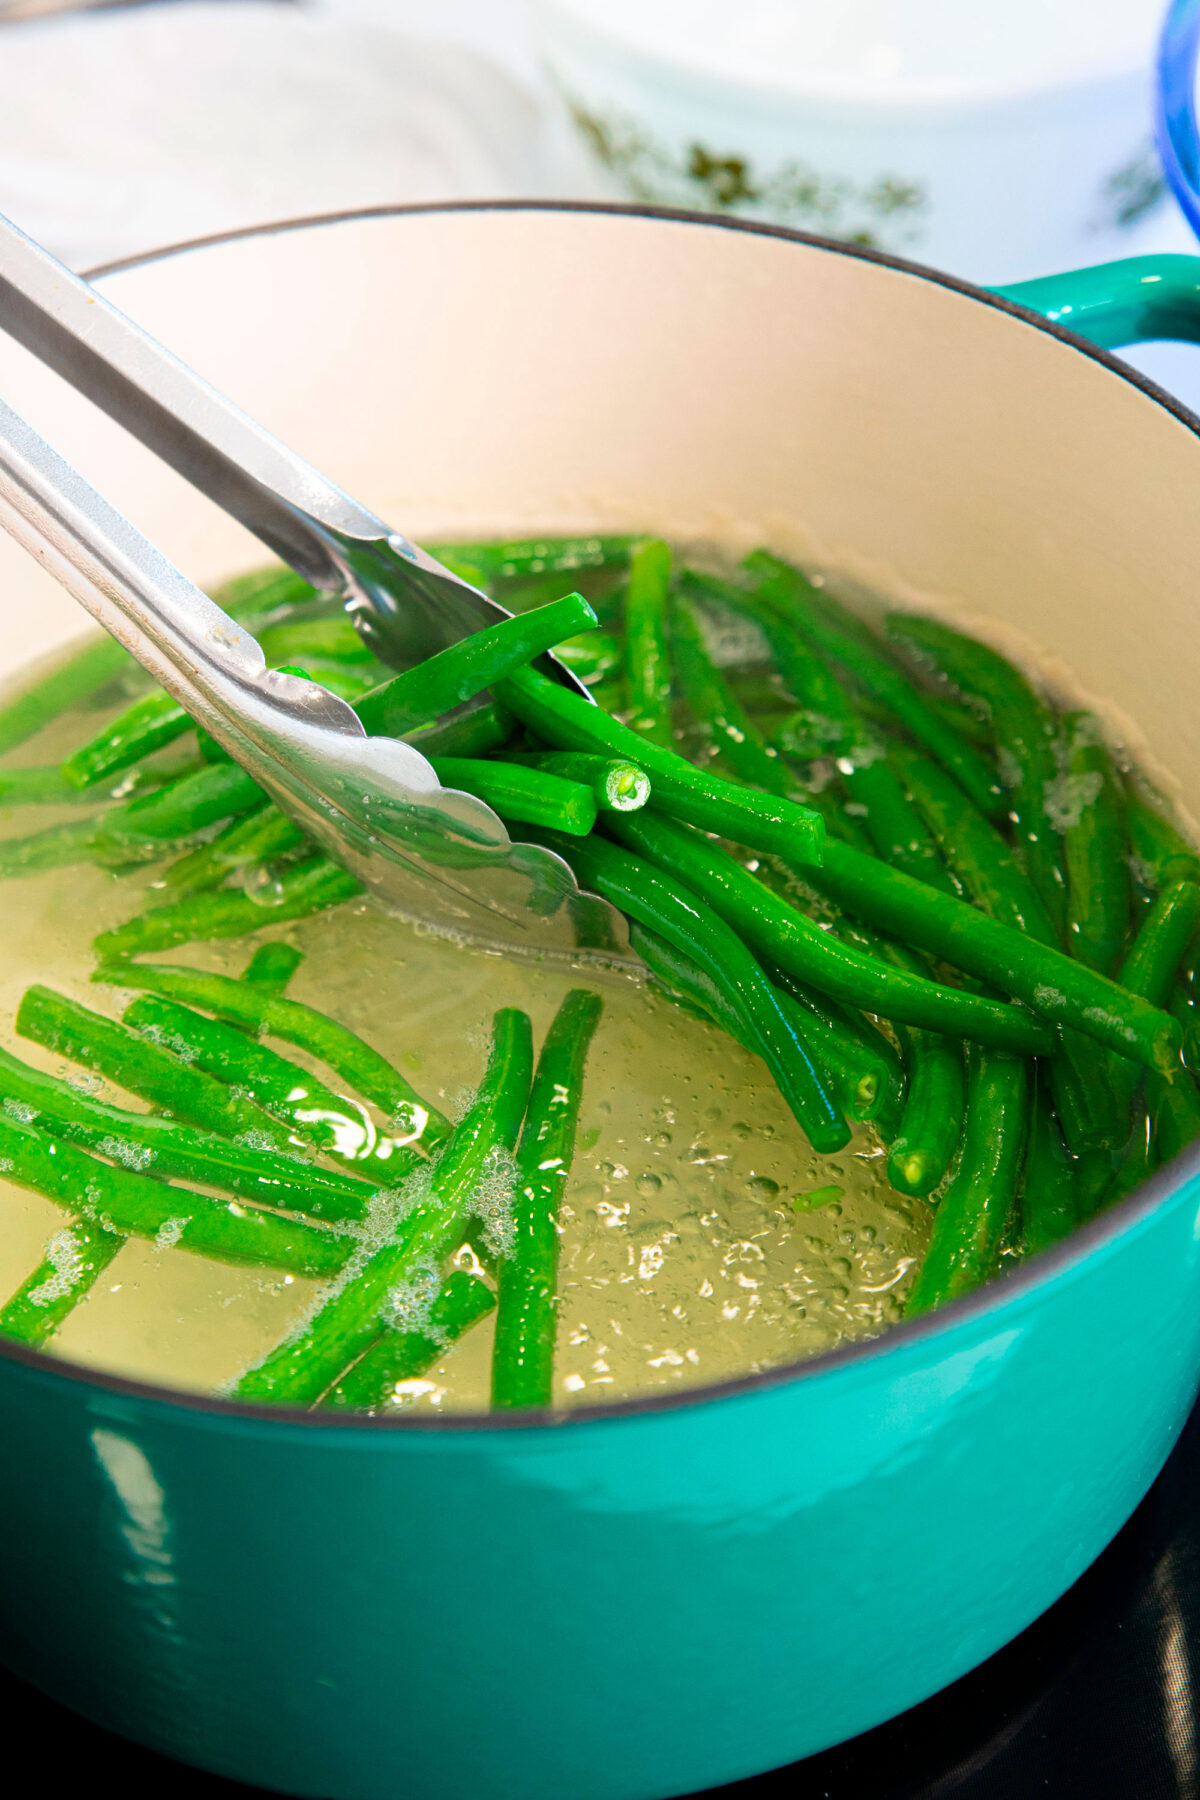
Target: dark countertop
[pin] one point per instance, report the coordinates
(1096, 1701)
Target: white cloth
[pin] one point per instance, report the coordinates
(121, 130)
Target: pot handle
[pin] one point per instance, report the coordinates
(1117, 303)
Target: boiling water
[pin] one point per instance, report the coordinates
(684, 1257)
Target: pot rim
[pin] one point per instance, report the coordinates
(1071, 1253)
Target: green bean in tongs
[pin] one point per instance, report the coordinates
(617, 786)
(647, 673)
(527, 1309)
(444, 681)
(526, 796)
(398, 1356)
(569, 722)
(298, 1370)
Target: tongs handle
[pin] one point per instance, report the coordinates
(190, 646)
(212, 443)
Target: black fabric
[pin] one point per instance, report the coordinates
(1096, 1701)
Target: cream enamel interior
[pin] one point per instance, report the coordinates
(496, 370)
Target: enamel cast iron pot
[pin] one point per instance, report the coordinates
(669, 1594)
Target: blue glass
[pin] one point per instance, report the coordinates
(1175, 111)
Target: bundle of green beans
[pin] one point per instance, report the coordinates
(879, 857)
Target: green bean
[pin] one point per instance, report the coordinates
(241, 1003)
(1053, 984)
(1162, 852)
(69, 686)
(973, 1213)
(399, 1356)
(147, 725)
(504, 561)
(55, 847)
(596, 657)
(963, 718)
(777, 930)
(347, 684)
(1182, 1006)
(256, 837)
(298, 1370)
(1094, 848)
(123, 1057)
(204, 798)
(866, 1072)
(1050, 1184)
(1135, 1165)
(309, 887)
(1174, 1113)
(811, 683)
(444, 681)
(526, 1312)
(1150, 964)
(647, 671)
(131, 1205)
(658, 900)
(104, 661)
(75, 1259)
(713, 704)
(617, 786)
(311, 1110)
(145, 1143)
(568, 722)
(987, 866)
(272, 966)
(995, 880)
(476, 730)
(47, 786)
(859, 1079)
(893, 826)
(333, 639)
(931, 1119)
(527, 796)
(835, 633)
(684, 982)
(1025, 730)
(294, 1097)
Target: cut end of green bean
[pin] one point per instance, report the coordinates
(818, 1197)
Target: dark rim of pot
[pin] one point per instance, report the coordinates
(1006, 1288)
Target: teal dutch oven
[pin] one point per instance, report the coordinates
(670, 1593)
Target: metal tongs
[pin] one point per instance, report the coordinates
(375, 804)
